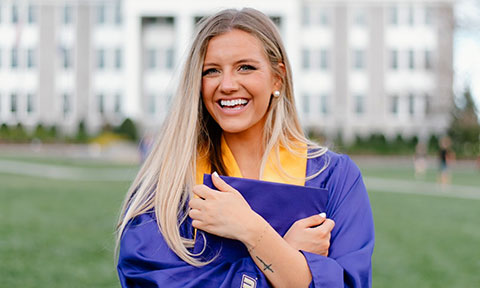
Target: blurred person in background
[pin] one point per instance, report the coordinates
(235, 114)
(420, 160)
(446, 157)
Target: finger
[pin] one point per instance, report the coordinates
(195, 214)
(328, 225)
(201, 191)
(197, 224)
(196, 203)
(312, 221)
(220, 184)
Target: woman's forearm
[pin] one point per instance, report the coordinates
(282, 265)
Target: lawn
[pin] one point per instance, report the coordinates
(57, 233)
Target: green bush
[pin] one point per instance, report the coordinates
(377, 143)
(4, 132)
(127, 129)
(82, 135)
(40, 132)
(433, 146)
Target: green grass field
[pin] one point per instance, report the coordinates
(59, 233)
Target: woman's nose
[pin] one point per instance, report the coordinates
(228, 83)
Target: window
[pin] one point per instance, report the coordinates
(359, 59)
(321, 16)
(169, 58)
(428, 60)
(30, 58)
(101, 13)
(394, 105)
(323, 59)
(411, 104)
(31, 14)
(13, 103)
(277, 20)
(0, 52)
(67, 14)
(0, 12)
(359, 17)
(30, 106)
(118, 103)
(306, 59)
(118, 58)
(151, 59)
(101, 104)
(100, 59)
(306, 16)
(411, 59)
(393, 16)
(152, 103)
(428, 16)
(324, 104)
(411, 16)
(66, 58)
(14, 59)
(14, 13)
(317, 59)
(118, 13)
(197, 19)
(428, 104)
(359, 104)
(306, 103)
(66, 105)
(394, 59)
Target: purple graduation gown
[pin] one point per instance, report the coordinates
(146, 261)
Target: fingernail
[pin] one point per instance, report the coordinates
(323, 215)
(215, 174)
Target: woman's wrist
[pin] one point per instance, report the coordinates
(256, 227)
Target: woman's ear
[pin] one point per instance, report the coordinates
(279, 78)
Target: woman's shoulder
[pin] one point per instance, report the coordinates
(333, 166)
(331, 161)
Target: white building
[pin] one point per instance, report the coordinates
(359, 66)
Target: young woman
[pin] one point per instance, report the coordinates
(235, 115)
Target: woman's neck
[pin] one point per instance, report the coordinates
(247, 149)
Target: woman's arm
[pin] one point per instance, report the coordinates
(145, 260)
(349, 257)
(225, 213)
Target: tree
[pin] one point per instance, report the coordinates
(464, 129)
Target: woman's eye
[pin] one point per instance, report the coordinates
(247, 68)
(209, 71)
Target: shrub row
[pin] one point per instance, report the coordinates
(48, 134)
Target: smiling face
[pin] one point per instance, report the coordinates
(237, 82)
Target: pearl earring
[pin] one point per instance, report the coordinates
(276, 93)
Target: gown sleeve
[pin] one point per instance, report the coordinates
(145, 260)
(352, 240)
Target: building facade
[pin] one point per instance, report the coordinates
(359, 67)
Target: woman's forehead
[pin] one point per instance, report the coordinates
(234, 44)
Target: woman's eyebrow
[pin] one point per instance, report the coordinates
(247, 60)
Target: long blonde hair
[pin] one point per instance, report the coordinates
(164, 182)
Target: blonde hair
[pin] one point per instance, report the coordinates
(164, 182)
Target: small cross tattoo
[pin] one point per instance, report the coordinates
(265, 265)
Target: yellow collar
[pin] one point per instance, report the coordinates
(293, 165)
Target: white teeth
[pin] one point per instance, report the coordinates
(234, 102)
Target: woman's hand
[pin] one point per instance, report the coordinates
(223, 212)
(311, 234)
